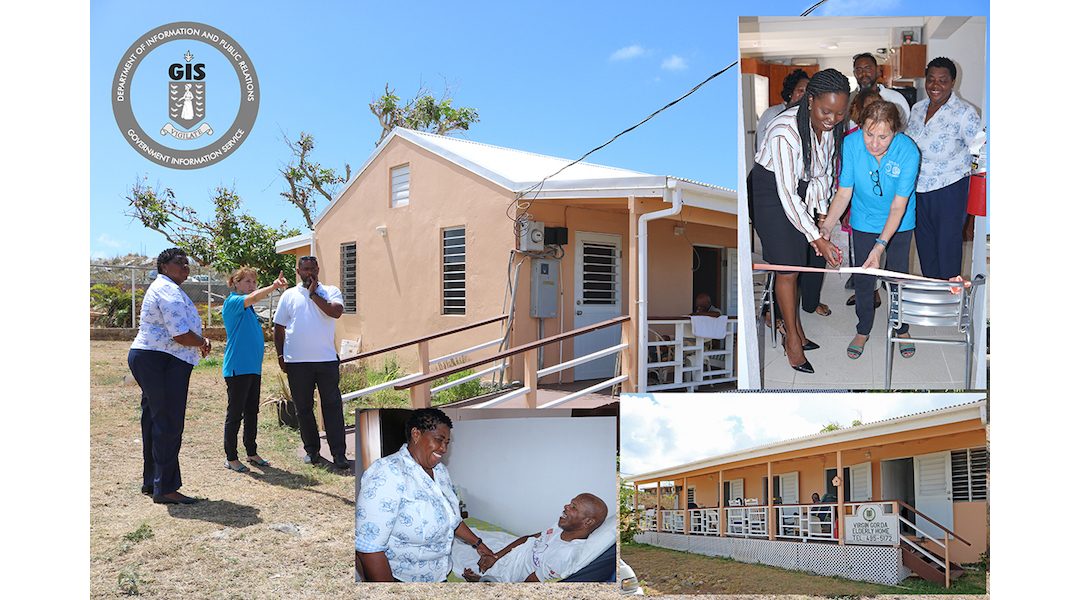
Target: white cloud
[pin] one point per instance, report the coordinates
(673, 63)
(627, 52)
(673, 429)
(105, 240)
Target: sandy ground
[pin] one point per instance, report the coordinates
(286, 530)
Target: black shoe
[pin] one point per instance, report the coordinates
(810, 345)
(806, 367)
(342, 464)
(181, 500)
(147, 490)
(313, 460)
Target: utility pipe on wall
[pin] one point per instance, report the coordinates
(673, 194)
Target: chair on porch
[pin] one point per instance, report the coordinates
(931, 304)
(768, 302)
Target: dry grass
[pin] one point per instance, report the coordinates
(231, 546)
(661, 571)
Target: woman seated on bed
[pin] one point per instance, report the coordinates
(550, 555)
(407, 513)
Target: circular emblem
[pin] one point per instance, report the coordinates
(188, 116)
(869, 514)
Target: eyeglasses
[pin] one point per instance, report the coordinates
(876, 178)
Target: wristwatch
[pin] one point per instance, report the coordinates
(479, 541)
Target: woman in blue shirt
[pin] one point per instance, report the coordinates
(242, 367)
(878, 173)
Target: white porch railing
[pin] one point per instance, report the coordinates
(806, 521)
(747, 521)
(648, 520)
(688, 361)
(705, 521)
(673, 521)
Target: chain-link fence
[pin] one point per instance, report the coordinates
(112, 303)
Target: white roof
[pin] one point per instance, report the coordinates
(930, 418)
(294, 242)
(518, 171)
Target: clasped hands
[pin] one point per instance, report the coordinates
(487, 557)
(824, 247)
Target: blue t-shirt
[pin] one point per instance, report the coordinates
(896, 172)
(245, 345)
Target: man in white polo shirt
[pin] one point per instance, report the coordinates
(867, 71)
(304, 339)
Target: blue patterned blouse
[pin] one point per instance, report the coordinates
(410, 517)
(166, 313)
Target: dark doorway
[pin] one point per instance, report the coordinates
(707, 265)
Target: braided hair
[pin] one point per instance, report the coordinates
(823, 82)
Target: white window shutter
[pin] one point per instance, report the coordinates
(862, 488)
(399, 186)
(789, 488)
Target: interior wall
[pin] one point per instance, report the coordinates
(518, 473)
(967, 48)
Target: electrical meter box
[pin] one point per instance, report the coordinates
(544, 302)
(531, 237)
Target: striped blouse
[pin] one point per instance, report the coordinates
(782, 154)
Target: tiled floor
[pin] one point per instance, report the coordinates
(932, 367)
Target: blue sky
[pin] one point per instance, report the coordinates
(557, 78)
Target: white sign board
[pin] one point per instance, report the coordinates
(871, 525)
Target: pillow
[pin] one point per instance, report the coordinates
(597, 542)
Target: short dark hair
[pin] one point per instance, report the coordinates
(167, 256)
(791, 81)
(942, 63)
(856, 58)
(426, 419)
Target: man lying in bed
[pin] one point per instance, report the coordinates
(549, 555)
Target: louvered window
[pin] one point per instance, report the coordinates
(453, 271)
(691, 497)
(599, 269)
(348, 276)
(399, 186)
(969, 470)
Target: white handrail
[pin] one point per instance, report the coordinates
(462, 380)
(588, 390)
(453, 355)
(503, 398)
(380, 386)
(581, 359)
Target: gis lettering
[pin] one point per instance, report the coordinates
(189, 72)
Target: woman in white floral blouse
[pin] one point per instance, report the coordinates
(945, 128)
(407, 513)
(161, 358)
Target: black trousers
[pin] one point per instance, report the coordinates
(164, 381)
(939, 229)
(243, 406)
(303, 378)
(896, 259)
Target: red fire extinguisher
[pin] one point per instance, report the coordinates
(977, 194)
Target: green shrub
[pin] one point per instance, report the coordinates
(114, 303)
(462, 391)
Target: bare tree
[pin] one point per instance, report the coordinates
(309, 180)
(423, 113)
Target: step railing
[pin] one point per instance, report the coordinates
(417, 385)
(423, 399)
(947, 564)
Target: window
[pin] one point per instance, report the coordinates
(691, 496)
(399, 186)
(599, 272)
(453, 271)
(969, 469)
(348, 276)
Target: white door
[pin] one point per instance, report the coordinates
(597, 297)
(933, 492)
(735, 489)
(789, 488)
(861, 483)
(755, 90)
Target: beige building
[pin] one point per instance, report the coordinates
(427, 237)
(923, 477)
